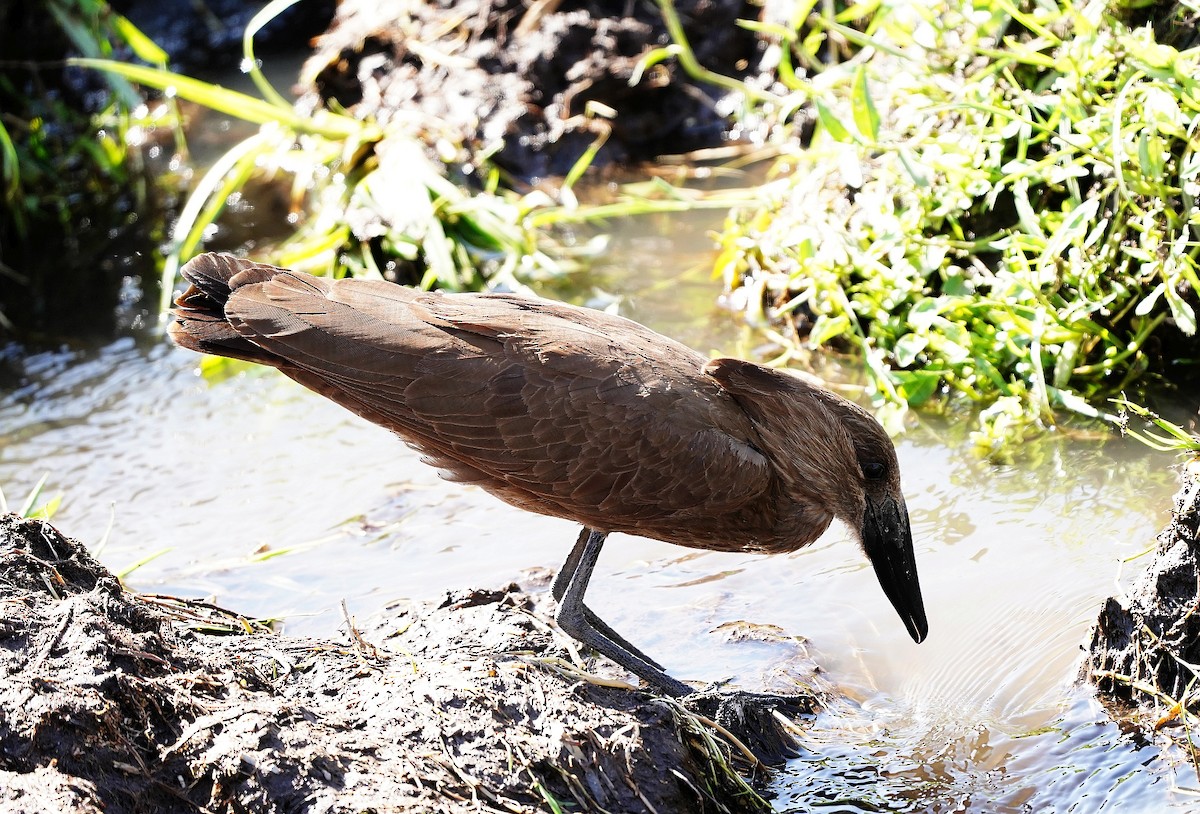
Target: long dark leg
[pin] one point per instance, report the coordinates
(581, 623)
(559, 589)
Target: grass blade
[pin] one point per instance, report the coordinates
(265, 15)
(231, 102)
(31, 499)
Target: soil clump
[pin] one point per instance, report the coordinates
(1145, 643)
(518, 82)
(120, 702)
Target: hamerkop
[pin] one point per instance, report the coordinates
(577, 414)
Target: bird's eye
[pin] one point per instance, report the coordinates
(873, 470)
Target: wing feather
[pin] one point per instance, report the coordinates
(551, 407)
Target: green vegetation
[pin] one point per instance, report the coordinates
(70, 175)
(43, 511)
(1173, 438)
(377, 201)
(365, 199)
(996, 208)
(991, 205)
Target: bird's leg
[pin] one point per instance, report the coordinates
(559, 588)
(573, 617)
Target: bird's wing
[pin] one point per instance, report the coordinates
(547, 405)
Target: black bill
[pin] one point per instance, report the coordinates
(887, 540)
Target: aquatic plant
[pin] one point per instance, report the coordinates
(1172, 438)
(996, 208)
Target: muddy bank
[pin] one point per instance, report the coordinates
(1146, 641)
(514, 80)
(126, 703)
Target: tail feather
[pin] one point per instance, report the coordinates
(200, 323)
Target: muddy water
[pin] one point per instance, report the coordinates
(275, 502)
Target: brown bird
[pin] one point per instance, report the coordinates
(577, 414)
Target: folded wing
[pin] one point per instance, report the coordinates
(558, 409)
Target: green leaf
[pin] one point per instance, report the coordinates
(1185, 317)
(1072, 227)
(82, 37)
(866, 116)
(10, 165)
(1026, 215)
(827, 328)
(151, 557)
(1154, 55)
(47, 509)
(829, 120)
(917, 386)
(1177, 438)
(907, 348)
(923, 314)
(919, 178)
(250, 64)
(1064, 363)
(943, 344)
(231, 102)
(142, 46)
(954, 284)
(27, 507)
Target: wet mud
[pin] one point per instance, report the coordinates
(120, 702)
(518, 81)
(1146, 642)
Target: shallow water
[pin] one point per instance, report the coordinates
(1014, 561)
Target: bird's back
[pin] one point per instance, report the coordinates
(560, 410)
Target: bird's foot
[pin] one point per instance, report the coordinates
(755, 719)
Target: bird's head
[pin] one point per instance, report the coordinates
(836, 461)
(873, 507)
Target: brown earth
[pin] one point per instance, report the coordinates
(513, 80)
(119, 702)
(1146, 642)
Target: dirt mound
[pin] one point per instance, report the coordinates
(1145, 644)
(124, 703)
(514, 79)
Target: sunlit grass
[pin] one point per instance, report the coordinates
(996, 209)
(1171, 438)
(30, 507)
